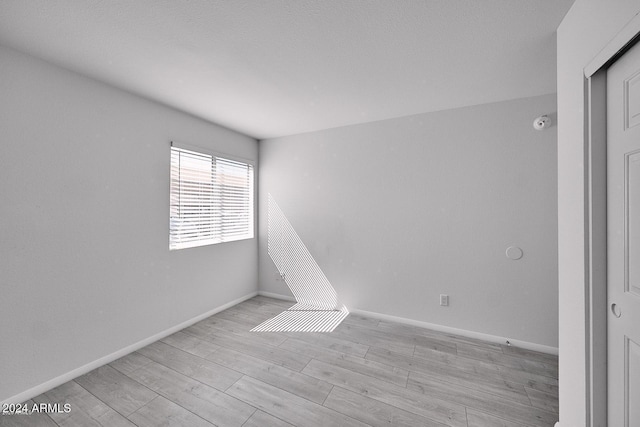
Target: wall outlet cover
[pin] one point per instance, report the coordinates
(444, 300)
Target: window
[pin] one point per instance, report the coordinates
(211, 199)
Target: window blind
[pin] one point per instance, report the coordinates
(211, 199)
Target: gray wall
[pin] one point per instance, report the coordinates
(85, 268)
(398, 211)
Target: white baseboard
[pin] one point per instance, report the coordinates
(462, 332)
(55, 382)
(277, 296)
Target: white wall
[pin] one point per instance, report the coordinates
(587, 28)
(398, 211)
(85, 268)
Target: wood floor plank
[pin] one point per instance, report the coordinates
(378, 370)
(360, 320)
(239, 328)
(266, 352)
(436, 344)
(215, 326)
(482, 379)
(469, 398)
(371, 337)
(111, 419)
(479, 366)
(480, 419)
(374, 412)
(499, 358)
(190, 344)
(262, 419)
(249, 319)
(330, 341)
(407, 338)
(33, 419)
(130, 362)
(208, 403)
(496, 387)
(278, 376)
(163, 412)
(116, 389)
(244, 310)
(79, 399)
(81, 419)
(430, 407)
(248, 322)
(551, 389)
(530, 354)
(543, 400)
(287, 406)
(250, 316)
(195, 367)
(86, 409)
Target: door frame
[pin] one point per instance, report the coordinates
(595, 161)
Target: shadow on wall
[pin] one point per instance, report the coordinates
(316, 308)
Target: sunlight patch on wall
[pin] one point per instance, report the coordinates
(296, 265)
(316, 308)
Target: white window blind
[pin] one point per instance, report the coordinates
(211, 199)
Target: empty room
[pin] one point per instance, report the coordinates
(319, 213)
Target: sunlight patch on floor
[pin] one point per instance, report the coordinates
(304, 321)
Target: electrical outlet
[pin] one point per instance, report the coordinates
(444, 300)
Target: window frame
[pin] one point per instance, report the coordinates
(217, 236)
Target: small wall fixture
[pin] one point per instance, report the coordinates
(542, 122)
(514, 253)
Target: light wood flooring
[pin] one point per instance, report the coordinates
(367, 372)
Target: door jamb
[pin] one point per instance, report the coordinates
(596, 251)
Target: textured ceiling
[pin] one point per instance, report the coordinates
(279, 67)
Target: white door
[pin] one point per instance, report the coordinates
(623, 239)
